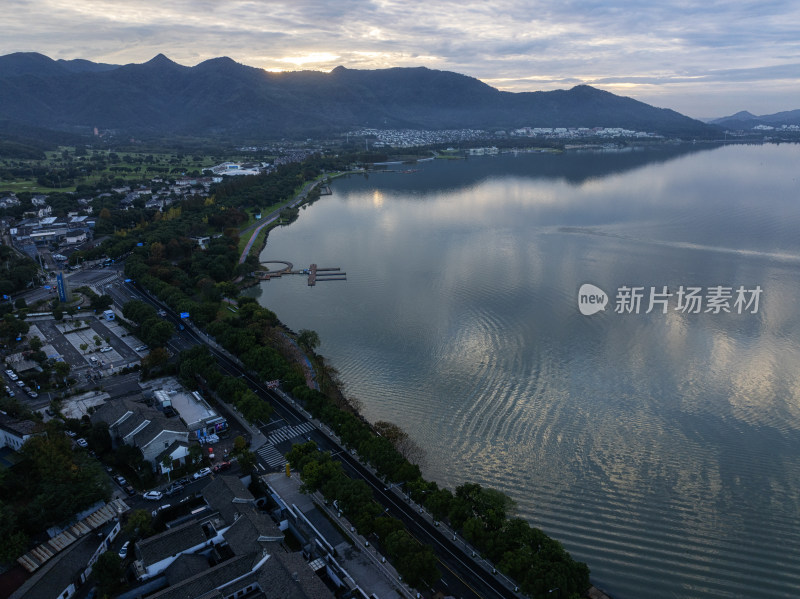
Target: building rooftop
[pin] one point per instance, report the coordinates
(171, 542)
(18, 426)
(58, 573)
(228, 496)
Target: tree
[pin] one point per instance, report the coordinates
(416, 562)
(84, 347)
(15, 541)
(308, 340)
(156, 332)
(108, 572)
(140, 524)
(101, 302)
(247, 461)
(62, 369)
(239, 445)
(157, 358)
(35, 343)
(195, 452)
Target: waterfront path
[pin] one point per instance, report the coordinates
(271, 217)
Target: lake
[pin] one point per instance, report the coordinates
(663, 449)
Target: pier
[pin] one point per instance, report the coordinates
(266, 274)
(315, 273)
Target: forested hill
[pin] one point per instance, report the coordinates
(222, 97)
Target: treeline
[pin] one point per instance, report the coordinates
(150, 328)
(197, 365)
(482, 516)
(415, 562)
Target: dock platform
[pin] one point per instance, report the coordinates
(315, 273)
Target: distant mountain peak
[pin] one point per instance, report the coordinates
(159, 60)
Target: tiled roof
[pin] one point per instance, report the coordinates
(19, 426)
(55, 576)
(226, 494)
(186, 566)
(171, 542)
(251, 531)
(211, 578)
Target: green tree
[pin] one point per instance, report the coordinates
(239, 445)
(156, 332)
(62, 369)
(139, 525)
(415, 562)
(247, 461)
(195, 453)
(108, 572)
(308, 340)
(15, 541)
(101, 302)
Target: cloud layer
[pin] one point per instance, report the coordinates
(702, 58)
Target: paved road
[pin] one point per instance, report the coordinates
(270, 218)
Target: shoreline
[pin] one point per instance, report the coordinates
(307, 363)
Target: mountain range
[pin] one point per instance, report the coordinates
(745, 120)
(220, 97)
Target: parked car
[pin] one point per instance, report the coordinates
(129, 490)
(71, 434)
(33, 394)
(123, 552)
(142, 348)
(120, 480)
(20, 384)
(12, 375)
(222, 466)
(82, 442)
(183, 482)
(201, 473)
(153, 495)
(105, 349)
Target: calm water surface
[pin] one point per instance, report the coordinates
(662, 449)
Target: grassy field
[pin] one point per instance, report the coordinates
(119, 167)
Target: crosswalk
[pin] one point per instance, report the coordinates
(287, 433)
(271, 456)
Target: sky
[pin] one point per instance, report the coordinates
(708, 58)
